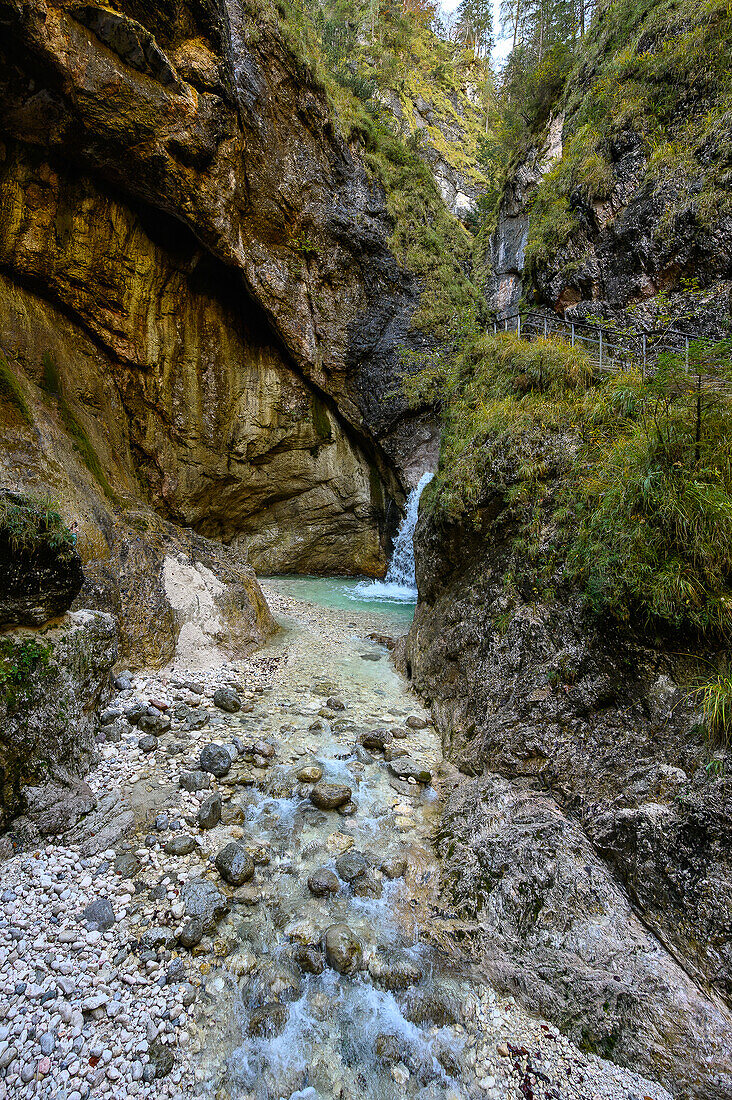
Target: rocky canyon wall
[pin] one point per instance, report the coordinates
(199, 305)
(586, 833)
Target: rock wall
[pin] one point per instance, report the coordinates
(52, 682)
(196, 279)
(586, 839)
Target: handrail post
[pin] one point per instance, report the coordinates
(545, 328)
(687, 354)
(505, 324)
(572, 333)
(600, 349)
(519, 326)
(644, 354)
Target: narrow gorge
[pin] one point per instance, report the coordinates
(365, 550)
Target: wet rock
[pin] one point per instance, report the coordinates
(310, 775)
(161, 1060)
(309, 959)
(153, 723)
(127, 865)
(343, 949)
(227, 699)
(399, 732)
(388, 1049)
(134, 712)
(335, 704)
(268, 1021)
(395, 973)
(234, 864)
(348, 809)
(351, 864)
(181, 844)
(195, 781)
(192, 933)
(394, 866)
(100, 914)
(204, 900)
(323, 882)
(209, 812)
(410, 769)
(215, 759)
(376, 739)
(362, 756)
(248, 895)
(329, 796)
(367, 885)
(415, 722)
(148, 743)
(370, 656)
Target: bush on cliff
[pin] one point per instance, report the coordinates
(622, 484)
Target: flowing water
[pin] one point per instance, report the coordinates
(334, 1035)
(399, 583)
(277, 1020)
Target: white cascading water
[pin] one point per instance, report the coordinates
(399, 583)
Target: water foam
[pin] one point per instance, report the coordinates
(399, 585)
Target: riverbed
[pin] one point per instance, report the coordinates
(334, 970)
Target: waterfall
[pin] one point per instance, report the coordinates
(399, 583)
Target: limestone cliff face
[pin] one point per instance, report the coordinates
(197, 287)
(586, 842)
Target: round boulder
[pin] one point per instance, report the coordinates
(234, 864)
(343, 949)
(216, 759)
(329, 796)
(323, 882)
(209, 812)
(227, 699)
(351, 864)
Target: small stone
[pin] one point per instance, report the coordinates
(100, 914)
(343, 949)
(415, 722)
(376, 739)
(234, 864)
(394, 866)
(191, 933)
(329, 796)
(180, 845)
(161, 1059)
(350, 865)
(126, 865)
(309, 959)
(323, 882)
(209, 812)
(269, 1020)
(153, 723)
(502, 1050)
(310, 775)
(216, 759)
(408, 769)
(195, 781)
(336, 704)
(227, 699)
(148, 743)
(47, 1043)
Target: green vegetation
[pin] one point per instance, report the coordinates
(661, 72)
(21, 663)
(716, 700)
(29, 523)
(620, 484)
(11, 392)
(375, 64)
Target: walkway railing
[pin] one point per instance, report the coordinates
(612, 348)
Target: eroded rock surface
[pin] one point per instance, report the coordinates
(594, 803)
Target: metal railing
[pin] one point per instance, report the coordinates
(612, 348)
